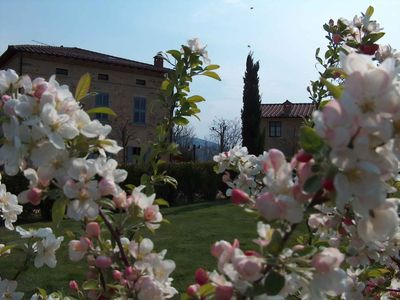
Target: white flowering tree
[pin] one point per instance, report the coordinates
(338, 185)
(64, 155)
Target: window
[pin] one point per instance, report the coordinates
(140, 82)
(135, 150)
(275, 128)
(133, 153)
(102, 101)
(60, 71)
(102, 76)
(139, 110)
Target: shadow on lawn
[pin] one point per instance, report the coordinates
(191, 207)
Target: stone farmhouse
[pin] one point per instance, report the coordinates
(130, 88)
(282, 123)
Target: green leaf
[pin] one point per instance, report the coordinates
(161, 202)
(317, 52)
(379, 272)
(107, 203)
(69, 234)
(58, 210)
(335, 90)
(274, 246)
(207, 289)
(310, 140)
(90, 285)
(175, 53)
(180, 121)
(102, 110)
(323, 103)
(185, 296)
(42, 292)
(274, 283)
(375, 36)
(165, 84)
(370, 11)
(313, 184)
(212, 75)
(83, 87)
(196, 98)
(211, 67)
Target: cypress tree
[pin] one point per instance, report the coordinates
(251, 111)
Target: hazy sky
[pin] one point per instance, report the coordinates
(282, 34)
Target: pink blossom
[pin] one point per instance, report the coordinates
(248, 267)
(327, 260)
(303, 156)
(34, 196)
(120, 200)
(73, 285)
(117, 275)
(273, 207)
(223, 292)
(107, 187)
(93, 229)
(103, 262)
(335, 124)
(131, 273)
(239, 197)
(192, 290)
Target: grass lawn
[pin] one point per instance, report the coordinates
(188, 239)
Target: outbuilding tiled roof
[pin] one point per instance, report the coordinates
(287, 109)
(77, 53)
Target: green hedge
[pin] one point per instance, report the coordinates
(196, 182)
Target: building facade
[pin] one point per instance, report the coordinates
(128, 87)
(282, 124)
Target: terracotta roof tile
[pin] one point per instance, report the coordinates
(287, 110)
(78, 53)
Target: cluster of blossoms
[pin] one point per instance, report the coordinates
(63, 154)
(147, 277)
(338, 184)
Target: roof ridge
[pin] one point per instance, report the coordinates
(80, 53)
(284, 103)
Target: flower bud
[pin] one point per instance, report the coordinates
(201, 276)
(93, 229)
(192, 290)
(130, 273)
(117, 275)
(106, 187)
(103, 262)
(120, 200)
(223, 292)
(219, 247)
(303, 156)
(328, 185)
(73, 285)
(336, 38)
(34, 196)
(239, 197)
(91, 274)
(40, 89)
(369, 49)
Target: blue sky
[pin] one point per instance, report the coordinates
(282, 34)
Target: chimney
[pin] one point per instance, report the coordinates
(158, 61)
(287, 106)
